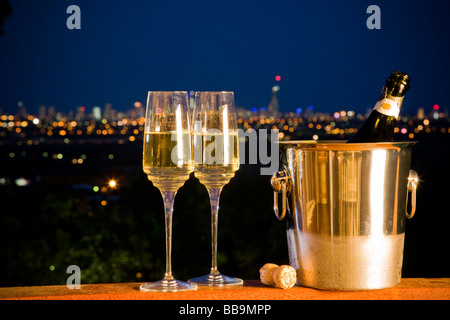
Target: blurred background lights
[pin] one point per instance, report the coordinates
(277, 78)
(22, 182)
(112, 183)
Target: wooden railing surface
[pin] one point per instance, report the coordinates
(408, 289)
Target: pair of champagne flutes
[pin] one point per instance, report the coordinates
(178, 141)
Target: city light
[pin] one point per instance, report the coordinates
(112, 183)
(114, 127)
(277, 78)
(22, 182)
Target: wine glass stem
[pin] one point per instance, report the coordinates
(214, 194)
(168, 209)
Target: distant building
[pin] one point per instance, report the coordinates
(107, 112)
(420, 113)
(97, 113)
(51, 112)
(22, 112)
(42, 112)
(138, 110)
(309, 112)
(273, 107)
(435, 114)
(80, 113)
(59, 115)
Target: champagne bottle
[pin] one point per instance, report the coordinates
(379, 126)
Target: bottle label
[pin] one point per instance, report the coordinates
(388, 107)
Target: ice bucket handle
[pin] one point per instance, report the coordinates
(413, 180)
(281, 182)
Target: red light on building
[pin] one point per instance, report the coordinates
(82, 109)
(436, 107)
(277, 78)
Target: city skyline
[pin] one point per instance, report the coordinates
(324, 53)
(107, 111)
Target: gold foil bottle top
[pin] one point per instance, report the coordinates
(397, 84)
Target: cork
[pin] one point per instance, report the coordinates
(266, 273)
(285, 277)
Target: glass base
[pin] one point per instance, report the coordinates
(168, 286)
(216, 280)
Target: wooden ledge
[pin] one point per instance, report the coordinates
(408, 289)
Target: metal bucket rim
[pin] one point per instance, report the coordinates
(342, 145)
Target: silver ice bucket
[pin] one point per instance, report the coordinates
(345, 205)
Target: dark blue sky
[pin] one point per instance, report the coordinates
(323, 51)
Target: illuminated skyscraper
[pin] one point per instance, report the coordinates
(97, 113)
(272, 108)
(420, 114)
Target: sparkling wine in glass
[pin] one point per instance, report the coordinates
(216, 159)
(167, 161)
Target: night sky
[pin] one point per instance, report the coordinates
(323, 51)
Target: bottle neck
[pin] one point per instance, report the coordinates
(389, 103)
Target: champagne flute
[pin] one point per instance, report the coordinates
(167, 161)
(216, 159)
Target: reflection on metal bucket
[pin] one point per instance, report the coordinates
(347, 208)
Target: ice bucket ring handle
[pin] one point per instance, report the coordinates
(281, 182)
(413, 181)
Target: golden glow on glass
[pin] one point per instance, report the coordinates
(377, 191)
(179, 125)
(226, 140)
